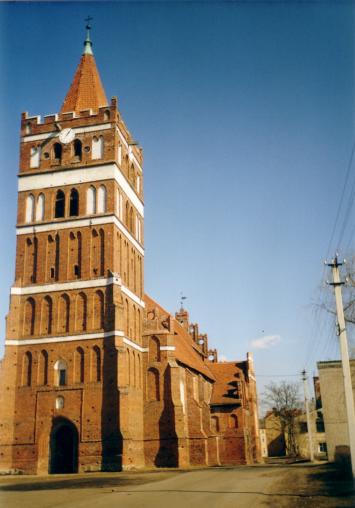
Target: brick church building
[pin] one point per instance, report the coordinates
(97, 375)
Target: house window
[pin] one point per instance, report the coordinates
(320, 426)
(322, 447)
(57, 151)
(303, 428)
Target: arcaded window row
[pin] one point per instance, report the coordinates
(67, 205)
(59, 374)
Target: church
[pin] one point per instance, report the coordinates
(97, 376)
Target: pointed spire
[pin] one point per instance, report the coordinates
(86, 90)
(88, 43)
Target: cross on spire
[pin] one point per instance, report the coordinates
(88, 43)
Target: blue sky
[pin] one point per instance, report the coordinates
(245, 113)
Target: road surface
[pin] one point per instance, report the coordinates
(293, 486)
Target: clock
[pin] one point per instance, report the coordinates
(66, 135)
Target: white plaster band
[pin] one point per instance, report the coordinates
(139, 348)
(77, 130)
(64, 338)
(78, 284)
(134, 345)
(79, 223)
(88, 174)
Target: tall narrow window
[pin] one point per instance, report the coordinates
(79, 365)
(35, 156)
(131, 221)
(81, 312)
(96, 363)
(74, 203)
(119, 154)
(57, 151)
(138, 184)
(63, 314)
(27, 369)
(78, 148)
(98, 310)
(102, 252)
(59, 204)
(118, 203)
(40, 208)
(43, 368)
(97, 147)
(101, 199)
(46, 315)
(29, 317)
(30, 205)
(91, 200)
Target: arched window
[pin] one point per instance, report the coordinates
(214, 423)
(78, 148)
(118, 203)
(81, 312)
(29, 317)
(59, 204)
(98, 310)
(35, 156)
(43, 367)
(57, 151)
(233, 421)
(30, 205)
(154, 349)
(138, 184)
(139, 375)
(79, 365)
(96, 363)
(64, 314)
(40, 208)
(97, 147)
(101, 199)
(74, 203)
(91, 200)
(28, 128)
(27, 369)
(153, 390)
(127, 317)
(106, 115)
(46, 315)
(61, 372)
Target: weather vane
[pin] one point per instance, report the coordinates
(182, 298)
(88, 19)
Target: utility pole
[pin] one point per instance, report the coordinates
(309, 428)
(349, 398)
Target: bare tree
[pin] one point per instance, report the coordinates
(283, 400)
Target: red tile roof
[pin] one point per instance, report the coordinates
(185, 347)
(86, 90)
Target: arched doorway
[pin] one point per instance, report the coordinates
(63, 447)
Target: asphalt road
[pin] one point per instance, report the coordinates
(295, 486)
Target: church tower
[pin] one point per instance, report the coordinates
(72, 372)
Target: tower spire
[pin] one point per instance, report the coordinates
(87, 42)
(86, 90)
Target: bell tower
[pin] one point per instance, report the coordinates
(72, 371)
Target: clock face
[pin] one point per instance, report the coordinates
(66, 135)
